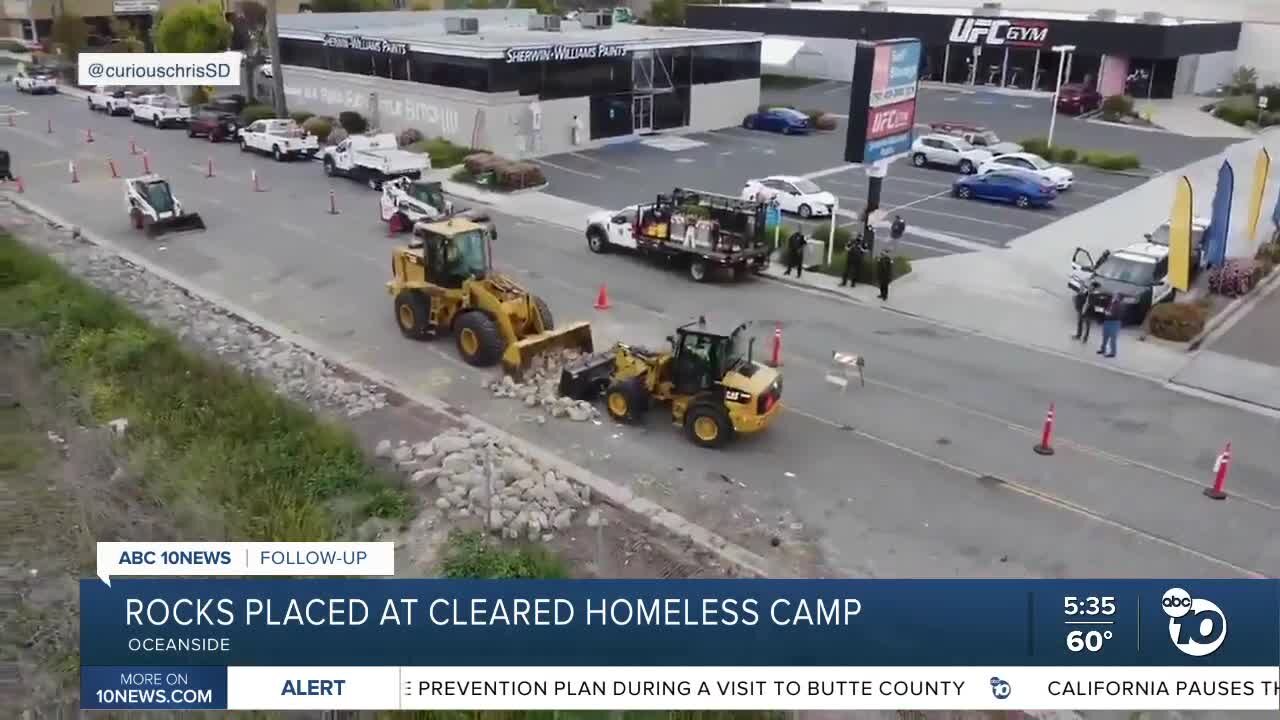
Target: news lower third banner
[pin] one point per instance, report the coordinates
(374, 644)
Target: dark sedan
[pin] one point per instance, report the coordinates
(1021, 189)
(1078, 99)
(780, 120)
(213, 124)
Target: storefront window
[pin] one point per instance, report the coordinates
(1022, 65)
(450, 71)
(671, 109)
(610, 115)
(583, 79)
(724, 63)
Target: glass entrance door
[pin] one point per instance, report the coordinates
(642, 113)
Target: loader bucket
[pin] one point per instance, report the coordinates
(182, 223)
(576, 336)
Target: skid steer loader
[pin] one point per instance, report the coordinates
(153, 208)
(443, 282)
(716, 389)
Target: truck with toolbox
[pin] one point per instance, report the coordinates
(160, 111)
(374, 159)
(282, 138)
(705, 231)
(111, 100)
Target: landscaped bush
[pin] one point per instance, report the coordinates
(1110, 161)
(1066, 155)
(480, 163)
(1035, 146)
(867, 271)
(1115, 107)
(353, 122)
(822, 120)
(1238, 110)
(519, 175)
(1235, 277)
(254, 113)
(409, 136)
(443, 153)
(1269, 118)
(199, 95)
(1269, 251)
(1179, 322)
(13, 46)
(1272, 94)
(336, 135)
(301, 116)
(1244, 81)
(318, 126)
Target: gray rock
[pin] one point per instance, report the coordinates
(577, 414)
(594, 519)
(462, 514)
(515, 469)
(524, 485)
(563, 519)
(531, 400)
(443, 503)
(584, 493)
(423, 450)
(444, 485)
(446, 444)
(458, 462)
(495, 519)
(479, 439)
(383, 449)
(548, 537)
(402, 454)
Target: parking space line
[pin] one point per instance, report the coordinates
(896, 178)
(920, 200)
(934, 235)
(740, 137)
(829, 171)
(597, 161)
(1104, 186)
(566, 169)
(955, 216)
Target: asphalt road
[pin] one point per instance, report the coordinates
(927, 471)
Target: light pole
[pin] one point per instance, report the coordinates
(1062, 51)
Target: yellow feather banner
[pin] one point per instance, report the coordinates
(1180, 236)
(1261, 170)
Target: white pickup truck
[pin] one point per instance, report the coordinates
(111, 100)
(281, 137)
(374, 159)
(160, 111)
(35, 82)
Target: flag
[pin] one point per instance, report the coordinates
(1180, 236)
(1215, 236)
(1261, 170)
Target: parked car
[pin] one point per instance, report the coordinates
(1020, 188)
(949, 151)
(1139, 272)
(794, 195)
(213, 123)
(36, 82)
(1075, 99)
(977, 136)
(1160, 236)
(374, 160)
(281, 137)
(160, 111)
(783, 120)
(111, 100)
(1060, 177)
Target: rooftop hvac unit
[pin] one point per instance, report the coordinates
(876, 6)
(1104, 14)
(550, 23)
(596, 20)
(988, 9)
(1153, 18)
(462, 25)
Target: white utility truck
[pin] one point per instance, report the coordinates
(36, 82)
(281, 137)
(374, 159)
(160, 111)
(111, 100)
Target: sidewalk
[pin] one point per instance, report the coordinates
(1182, 115)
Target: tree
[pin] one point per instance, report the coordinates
(667, 12)
(543, 7)
(1244, 80)
(252, 20)
(70, 34)
(125, 38)
(192, 28)
(350, 5)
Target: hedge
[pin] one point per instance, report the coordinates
(1179, 322)
(321, 127)
(1104, 160)
(1115, 107)
(254, 113)
(443, 153)
(353, 122)
(301, 116)
(867, 271)
(489, 169)
(1101, 159)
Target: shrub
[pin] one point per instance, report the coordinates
(353, 122)
(443, 153)
(1244, 81)
(822, 120)
(254, 113)
(867, 271)
(1110, 161)
(1115, 107)
(1179, 322)
(1270, 118)
(336, 136)
(1036, 146)
(318, 126)
(199, 95)
(471, 555)
(1269, 251)
(301, 116)
(481, 163)
(409, 136)
(1064, 155)
(1235, 277)
(1238, 110)
(1272, 94)
(519, 175)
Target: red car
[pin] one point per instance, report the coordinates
(213, 123)
(1076, 99)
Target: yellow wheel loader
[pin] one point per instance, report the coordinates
(443, 282)
(715, 388)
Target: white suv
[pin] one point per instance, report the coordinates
(949, 151)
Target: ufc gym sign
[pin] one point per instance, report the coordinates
(986, 31)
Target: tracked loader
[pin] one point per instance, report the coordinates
(153, 208)
(443, 282)
(714, 386)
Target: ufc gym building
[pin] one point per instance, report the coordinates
(1145, 56)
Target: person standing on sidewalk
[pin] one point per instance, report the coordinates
(852, 262)
(1111, 325)
(884, 273)
(1083, 321)
(795, 253)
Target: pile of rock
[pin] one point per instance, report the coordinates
(479, 477)
(541, 388)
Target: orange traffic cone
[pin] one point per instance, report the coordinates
(75, 176)
(602, 299)
(88, 135)
(111, 165)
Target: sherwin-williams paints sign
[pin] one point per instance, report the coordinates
(882, 102)
(356, 42)
(561, 53)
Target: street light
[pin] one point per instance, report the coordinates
(1062, 51)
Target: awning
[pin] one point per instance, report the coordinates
(779, 52)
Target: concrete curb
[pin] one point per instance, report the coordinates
(1231, 314)
(650, 512)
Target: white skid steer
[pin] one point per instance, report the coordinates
(152, 207)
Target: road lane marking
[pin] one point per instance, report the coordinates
(920, 200)
(933, 235)
(566, 169)
(830, 171)
(1034, 493)
(598, 161)
(950, 99)
(1021, 105)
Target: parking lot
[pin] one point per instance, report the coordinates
(939, 224)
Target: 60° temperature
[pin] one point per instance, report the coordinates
(1090, 640)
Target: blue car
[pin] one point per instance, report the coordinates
(1021, 189)
(780, 120)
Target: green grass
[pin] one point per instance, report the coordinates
(224, 455)
(472, 555)
(786, 82)
(835, 268)
(444, 154)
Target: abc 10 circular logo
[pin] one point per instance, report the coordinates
(1197, 627)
